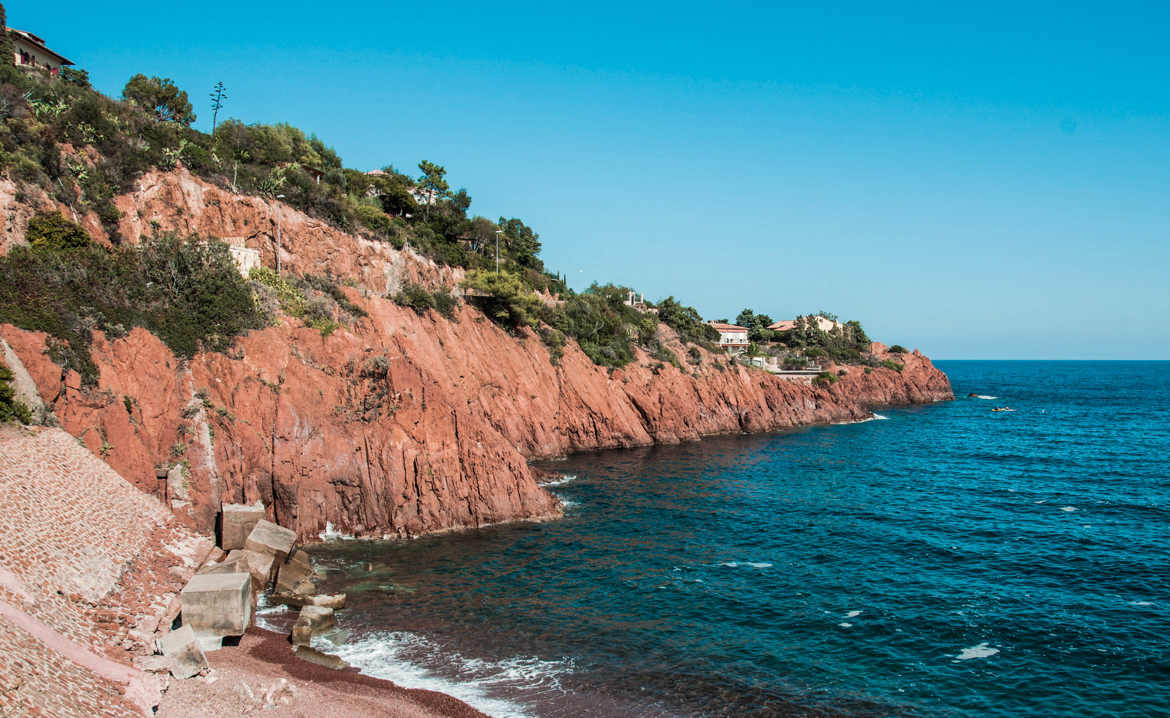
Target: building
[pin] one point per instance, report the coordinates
(733, 338)
(30, 51)
(823, 323)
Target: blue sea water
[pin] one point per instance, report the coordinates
(944, 560)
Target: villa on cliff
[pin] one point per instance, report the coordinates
(823, 323)
(30, 52)
(732, 337)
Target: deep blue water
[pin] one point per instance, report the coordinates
(946, 561)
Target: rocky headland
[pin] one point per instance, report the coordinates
(397, 424)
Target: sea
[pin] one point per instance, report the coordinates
(937, 560)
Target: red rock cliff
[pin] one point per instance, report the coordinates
(397, 425)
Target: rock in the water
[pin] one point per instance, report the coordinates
(267, 537)
(293, 572)
(237, 521)
(183, 653)
(319, 617)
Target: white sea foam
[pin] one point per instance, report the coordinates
(404, 658)
(565, 478)
(567, 503)
(980, 651)
(730, 564)
(875, 417)
(332, 534)
(263, 610)
(853, 614)
(759, 564)
(1069, 509)
(845, 625)
(985, 396)
(1141, 603)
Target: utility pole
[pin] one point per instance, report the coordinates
(498, 233)
(278, 198)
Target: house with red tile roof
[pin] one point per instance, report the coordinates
(732, 337)
(30, 51)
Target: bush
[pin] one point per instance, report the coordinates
(891, 364)
(503, 298)
(11, 409)
(898, 349)
(825, 379)
(187, 293)
(416, 297)
(50, 230)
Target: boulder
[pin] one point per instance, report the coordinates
(237, 522)
(302, 632)
(183, 653)
(218, 604)
(293, 571)
(321, 659)
(319, 617)
(267, 537)
(262, 566)
(336, 601)
(234, 563)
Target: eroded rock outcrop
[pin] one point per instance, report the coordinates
(399, 424)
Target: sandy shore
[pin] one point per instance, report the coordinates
(262, 676)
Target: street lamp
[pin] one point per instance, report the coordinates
(278, 197)
(498, 233)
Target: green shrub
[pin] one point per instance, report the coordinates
(503, 298)
(188, 293)
(50, 230)
(898, 349)
(416, 297)
(445, 303)
(891, 364)
(11, 409)
(825, 379)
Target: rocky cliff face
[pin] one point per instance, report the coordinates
(400, 424)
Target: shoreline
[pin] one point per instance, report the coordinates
(262, 672)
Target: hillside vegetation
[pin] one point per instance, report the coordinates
(62, 138)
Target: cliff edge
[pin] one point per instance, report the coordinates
(397, 424)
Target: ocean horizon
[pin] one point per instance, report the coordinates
(938, 560)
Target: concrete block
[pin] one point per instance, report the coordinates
(267, 537)
(321, 659)
(319, 617)
(292, 572)
(262, 566)
(235, 562)
(218, 604)
(302, 632)
(182, 650)
(237, 521)
(334, 601)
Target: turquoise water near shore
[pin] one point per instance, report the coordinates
(942, 560)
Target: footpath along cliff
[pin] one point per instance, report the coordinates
(397, 424)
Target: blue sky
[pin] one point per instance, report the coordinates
(979, 182)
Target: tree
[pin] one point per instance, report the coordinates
(432, 184)
(161, 97)
(522, 243)
(218, 95)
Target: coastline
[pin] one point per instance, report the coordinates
(262, 673)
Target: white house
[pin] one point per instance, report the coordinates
(29, 51)
(731, 336)
(823, 323)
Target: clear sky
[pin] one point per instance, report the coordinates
(987, 182)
